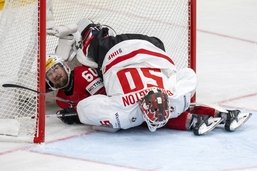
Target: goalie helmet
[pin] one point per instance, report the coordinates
(155, 108)
(57, 72)
(90, 30)
(88, 35)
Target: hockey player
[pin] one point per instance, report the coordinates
(143, 85)
(72, 86)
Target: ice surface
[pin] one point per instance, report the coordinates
(163, 150)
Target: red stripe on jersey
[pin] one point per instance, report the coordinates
(133, 54)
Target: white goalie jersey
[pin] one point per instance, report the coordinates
(130, 70)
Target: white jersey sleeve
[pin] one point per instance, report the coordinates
(101, 110)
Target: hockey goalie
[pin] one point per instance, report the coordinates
(134, 81)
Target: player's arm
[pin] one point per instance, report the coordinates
(67, 113)
(86, 83)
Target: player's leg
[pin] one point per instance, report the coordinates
(182, 122)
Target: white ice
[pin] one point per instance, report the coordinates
(227, 73)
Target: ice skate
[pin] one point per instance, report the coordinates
(234, 119)
(202, 124)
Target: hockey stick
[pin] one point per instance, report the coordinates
(26, 88)
(19, 86)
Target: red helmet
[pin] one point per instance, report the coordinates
(155, 108)
(88, 35)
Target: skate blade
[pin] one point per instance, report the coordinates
(242, 119)
(204, 129)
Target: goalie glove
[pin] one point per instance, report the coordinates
(74, 40)
(66, 42)
(70, 43)
(63, 31)
(68, 116)
(66, 48)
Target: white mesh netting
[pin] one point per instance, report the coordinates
(165, 19)
(18, 52)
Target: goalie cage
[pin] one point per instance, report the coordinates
(24, 45)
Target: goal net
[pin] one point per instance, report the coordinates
(21, 111)
(172, 21)
(169, 20)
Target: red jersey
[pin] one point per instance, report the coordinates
(84, 82)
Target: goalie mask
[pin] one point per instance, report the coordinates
(155, 108)
(57, 72)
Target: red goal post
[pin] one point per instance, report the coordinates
(24, 45)
(23, 51)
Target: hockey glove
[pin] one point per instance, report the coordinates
(68, 116)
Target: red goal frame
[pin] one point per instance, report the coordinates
(40, 132)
